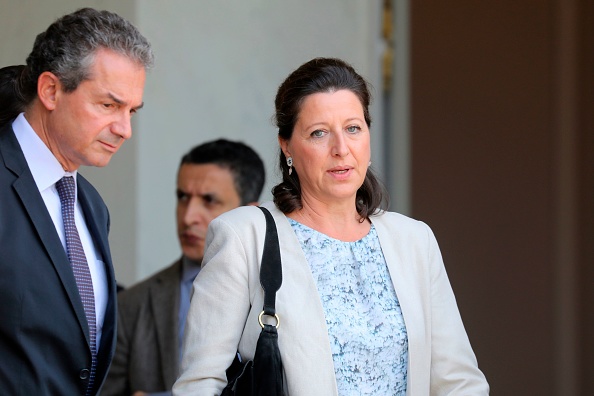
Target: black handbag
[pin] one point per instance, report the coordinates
(262, 375)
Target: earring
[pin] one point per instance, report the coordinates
(290, 164)
(369, 164)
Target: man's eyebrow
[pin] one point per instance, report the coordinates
(207, 195)
(115, 99)
(121, 102)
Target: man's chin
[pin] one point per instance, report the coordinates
(193, 256)
(99, 162)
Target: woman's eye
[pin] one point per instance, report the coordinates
(318, 133)
(353, 129)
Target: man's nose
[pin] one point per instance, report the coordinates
(195, 212)
(122, 126)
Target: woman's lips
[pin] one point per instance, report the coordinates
(340, 172)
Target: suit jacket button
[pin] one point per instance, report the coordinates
(84, 374)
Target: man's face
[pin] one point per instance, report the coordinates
(88, 125)
(203, 192)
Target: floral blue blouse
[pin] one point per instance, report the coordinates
(365, 324)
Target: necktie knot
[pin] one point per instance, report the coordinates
(66, 189)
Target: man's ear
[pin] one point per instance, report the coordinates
(48, 85)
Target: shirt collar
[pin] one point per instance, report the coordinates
(44, 166)
(190, 269)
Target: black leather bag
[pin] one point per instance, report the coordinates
(264, 374)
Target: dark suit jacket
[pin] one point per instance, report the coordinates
(147, 352)
(44, 336)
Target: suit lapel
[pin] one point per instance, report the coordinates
(96, 218)
(35, 208)
(164, 297)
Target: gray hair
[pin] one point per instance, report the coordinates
(67, 48)
(69, 45)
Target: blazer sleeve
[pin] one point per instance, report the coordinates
(218, 310)
(454, 369)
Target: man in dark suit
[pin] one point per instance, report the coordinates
(70, 105)
(213, 178)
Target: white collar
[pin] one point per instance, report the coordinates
(44, 166)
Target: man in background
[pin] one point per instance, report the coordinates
(213, 178)
(70, 105)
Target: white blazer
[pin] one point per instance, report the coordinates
(227, 299)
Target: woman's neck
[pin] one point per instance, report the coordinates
(337, 220)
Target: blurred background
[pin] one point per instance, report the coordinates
(483, 128)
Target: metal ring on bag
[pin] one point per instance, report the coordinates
(262, 324)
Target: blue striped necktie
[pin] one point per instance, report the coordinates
(78, 260)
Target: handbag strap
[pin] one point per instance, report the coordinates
(271, 272)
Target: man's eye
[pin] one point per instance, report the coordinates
(209, 200)
(181, 196)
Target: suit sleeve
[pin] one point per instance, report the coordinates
(454, 369)
(116, 383)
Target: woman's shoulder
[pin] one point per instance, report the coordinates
(398, 223)
(241, 212)
(396, 218)
(244, 217)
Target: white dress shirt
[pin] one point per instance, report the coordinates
(46, 171)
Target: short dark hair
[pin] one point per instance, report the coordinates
(316, 76)
(243, 162)
(11, 101)
(68, 47)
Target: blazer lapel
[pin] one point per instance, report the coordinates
(298, 295)
(399, 252)
(164, 299)
(35, 208)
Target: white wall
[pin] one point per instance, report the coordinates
(218, 65)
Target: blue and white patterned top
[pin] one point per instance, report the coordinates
(365, 324)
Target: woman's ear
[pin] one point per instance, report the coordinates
(284, 145)
(48, 85)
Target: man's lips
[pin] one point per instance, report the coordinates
(191, 238)
(113, 147)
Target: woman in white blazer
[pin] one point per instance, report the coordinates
(365, 305)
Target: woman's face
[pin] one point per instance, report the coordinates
(330, 147)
